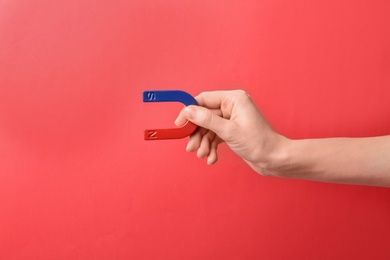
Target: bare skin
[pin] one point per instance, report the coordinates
(232, 117)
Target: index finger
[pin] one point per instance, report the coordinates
(222, 99)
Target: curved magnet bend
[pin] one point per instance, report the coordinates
(169, 96)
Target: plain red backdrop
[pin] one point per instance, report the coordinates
(77, 180)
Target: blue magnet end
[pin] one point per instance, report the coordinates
(169, 96)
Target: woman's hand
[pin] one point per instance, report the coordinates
(231, 117)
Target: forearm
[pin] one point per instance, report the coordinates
(363, 161)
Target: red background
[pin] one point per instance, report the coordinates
(77, 180)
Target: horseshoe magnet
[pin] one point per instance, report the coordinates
(169, 96)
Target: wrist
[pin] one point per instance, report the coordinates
(279, 158)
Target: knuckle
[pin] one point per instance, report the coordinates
(241, 93)
(240, 96)
(200, 97)
(244, 95)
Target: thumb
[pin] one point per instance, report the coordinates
(205, 118)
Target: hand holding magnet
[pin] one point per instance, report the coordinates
(169, 96)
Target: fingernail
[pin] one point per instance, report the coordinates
(209, 162)
(189, 112)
